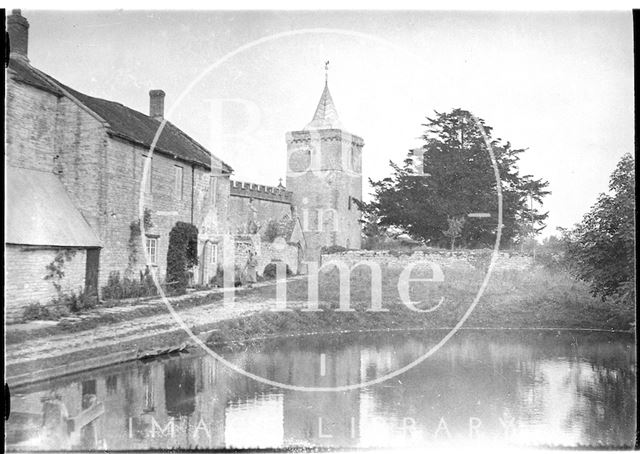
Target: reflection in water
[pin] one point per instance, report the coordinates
(535, 388)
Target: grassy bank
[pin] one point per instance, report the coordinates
(534, 298)
(513, 299)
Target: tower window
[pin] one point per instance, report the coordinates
(349, 202)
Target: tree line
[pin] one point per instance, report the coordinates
(445, 194)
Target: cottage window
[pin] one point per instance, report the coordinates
(178, 182)
(152, 250)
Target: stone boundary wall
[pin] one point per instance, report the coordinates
(260, 191)
(476, 258)
(266, 253)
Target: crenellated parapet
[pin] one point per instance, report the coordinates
(260, 192)
(326, 135)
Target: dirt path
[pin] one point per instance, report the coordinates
(122, 332)
(136, 327)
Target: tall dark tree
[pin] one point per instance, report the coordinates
(182, 255)
(450, 177)
(601, 248)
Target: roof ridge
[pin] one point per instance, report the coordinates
(137, 128)
(65, 91)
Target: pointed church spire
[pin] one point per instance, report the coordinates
(326, 72)
(326, 116)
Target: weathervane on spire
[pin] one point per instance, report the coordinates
(326, 72)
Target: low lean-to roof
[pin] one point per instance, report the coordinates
(123, 121)
(39, 212)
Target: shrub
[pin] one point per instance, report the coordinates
(58, 308)
(181, 256)
(332, 249)
(218, 279)
(75, 302)
(36, 311)
(271, 268)
(61, 306)
(553, 261)
(148, 284)
(112, 291)
(480, 259)
(117, 288)
(271, 231)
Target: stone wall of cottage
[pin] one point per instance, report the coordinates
(102, 175)
(81, 147)
(49, 133)
(54, 134)
(266, 252)
(31, 126)
(166, 202)
(213, 225)
(25, 277)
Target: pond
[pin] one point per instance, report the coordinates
(523, 388)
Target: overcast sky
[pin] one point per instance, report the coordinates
(557, 83)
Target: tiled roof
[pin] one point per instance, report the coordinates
(39, 212)
(123, 121)
(23, 72)
(326, 116)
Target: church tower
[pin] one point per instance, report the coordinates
(324, 173)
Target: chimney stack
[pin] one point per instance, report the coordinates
(156, 104)
(18, 28)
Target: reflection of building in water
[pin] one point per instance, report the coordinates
(141, 400)
(541, 384)
(323, 418)
(308, 418)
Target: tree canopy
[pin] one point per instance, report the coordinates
(433, 192)
(601, 248)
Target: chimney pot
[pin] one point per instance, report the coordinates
(18, 28)
(156, 104)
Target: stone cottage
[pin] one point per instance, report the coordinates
(75, 168)
(80, 168)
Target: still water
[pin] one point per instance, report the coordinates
(500, 388)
